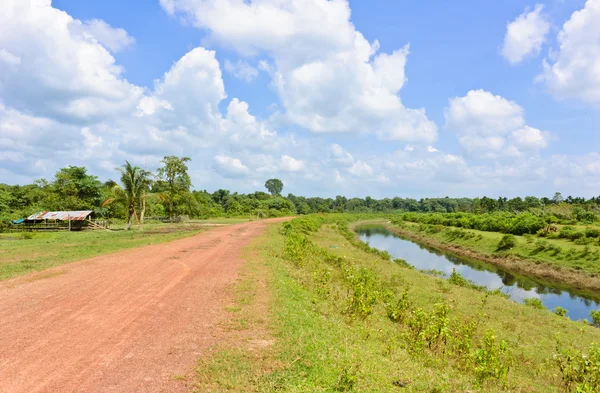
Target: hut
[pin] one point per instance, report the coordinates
(64, 220)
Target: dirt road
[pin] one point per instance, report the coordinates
(126, 322)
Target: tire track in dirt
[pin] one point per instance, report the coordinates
(124, 322)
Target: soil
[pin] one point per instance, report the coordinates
(132, 321)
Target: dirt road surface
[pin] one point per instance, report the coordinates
(131, 321)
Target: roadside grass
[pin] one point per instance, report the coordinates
(320, 347)
(25, 252)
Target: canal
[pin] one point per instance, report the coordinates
(517, 287)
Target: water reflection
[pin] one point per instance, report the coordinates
(517, 287)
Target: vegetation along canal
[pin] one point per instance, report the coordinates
(518, 288)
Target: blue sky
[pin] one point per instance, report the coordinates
(357, 98)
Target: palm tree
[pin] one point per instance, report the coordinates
(133, 192)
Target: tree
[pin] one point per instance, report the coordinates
(274, 186)
(133, 192)
(174, 174)
(73, 189)
(557, 198)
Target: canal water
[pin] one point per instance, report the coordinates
(578, 304)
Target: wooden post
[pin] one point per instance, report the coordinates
(69, 218)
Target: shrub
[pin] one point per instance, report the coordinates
(591, 232)
(534, 302)
(492, 359)
(507, 242)
(595, 314)
(561, 312)
(579, 370)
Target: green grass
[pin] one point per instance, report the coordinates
(320, 347)
(19, 255)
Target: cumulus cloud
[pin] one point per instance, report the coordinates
(361, 169)
(328, 76)
(230, 166)
(241, 70)
(491, 126)
(290, 164)
(525, 35)
(339, 155)
(114, 39)
(48, 69)
(573, 70)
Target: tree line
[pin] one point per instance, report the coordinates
(138, 194)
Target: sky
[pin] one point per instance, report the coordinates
(334, 97)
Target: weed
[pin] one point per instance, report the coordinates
(492, 359)
(347, 379)
(595, 315)
(507, 242)
(534, 302)
(560, 311)
(580, 372)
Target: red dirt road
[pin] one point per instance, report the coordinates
(125, 322)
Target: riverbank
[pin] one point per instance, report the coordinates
(550, 272)
(340, 318)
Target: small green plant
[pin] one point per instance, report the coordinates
(560, 311)
(27, 235)
(492, 360)
(347, 379)
(580, 372)
(322, 279)
(534, 302)
(365, 291)
(396, 310)
(595, 315)
(507, 242)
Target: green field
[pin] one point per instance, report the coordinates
(330, 324)
(25, 252)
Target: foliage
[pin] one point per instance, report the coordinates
(177, 182)
(580, 372)
(507, 242)
(534, 302)
(274, 186)
(595, 315)
(492, 359)
(560, 311)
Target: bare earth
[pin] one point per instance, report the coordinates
(131, 321)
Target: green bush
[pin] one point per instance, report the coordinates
(595, 314)
(507, 242)
(561, 312)
(534, 302)
(580, 372)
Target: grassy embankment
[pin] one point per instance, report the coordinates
(557, 260)
(25, 252)
(343, 318)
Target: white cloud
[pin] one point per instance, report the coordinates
(361, 169)
(529, 138)
(55, 72)
(328, 76)
(573, 71)
(241, 70)
(340, 156)
(525, 35)
(96, 30)
(230, 166)
(290, 164)
(491, 126)
(9, 58)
